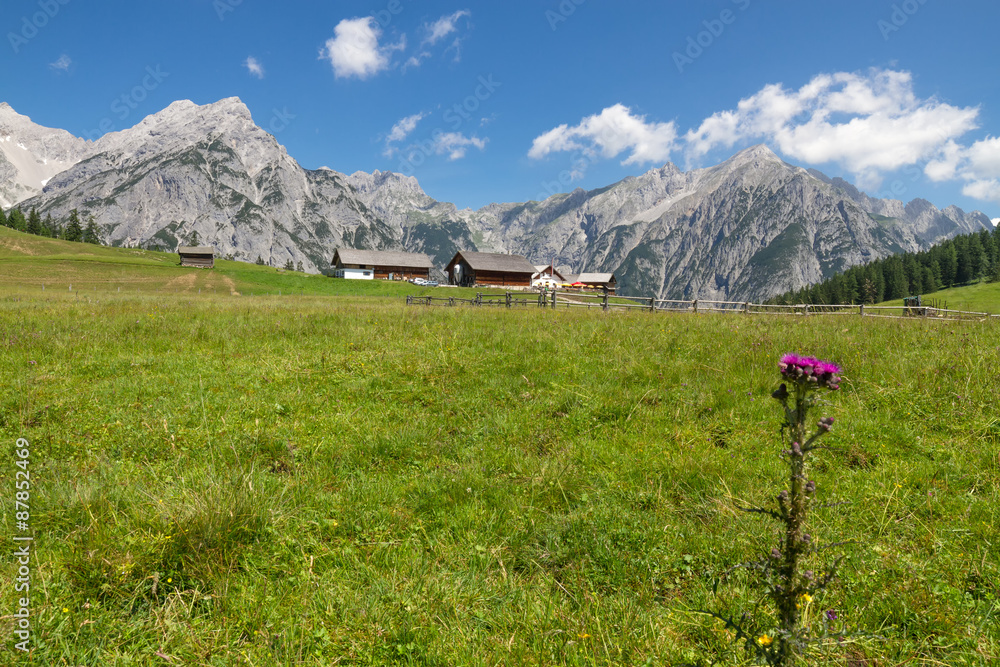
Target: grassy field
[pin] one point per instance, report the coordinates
(319, 480)
(334, 478)
(34, 263)
(981, 298)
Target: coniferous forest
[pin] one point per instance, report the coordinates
(32, 223)
(959, 261)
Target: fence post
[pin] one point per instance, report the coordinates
(553, 299)
(604, 302)
(746, 307)
(409, 300)
(694, 305)
(508, 299)
(652, 304)
(805, 309)
(861, 310)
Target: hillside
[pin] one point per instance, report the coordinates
(30, 262)
(747, 229)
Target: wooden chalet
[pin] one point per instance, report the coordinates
(202, 257)
(598, 280)
(472, 269)
(384, 263)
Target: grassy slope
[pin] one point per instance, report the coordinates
(32, 261)
(981, 297)
(266, 481)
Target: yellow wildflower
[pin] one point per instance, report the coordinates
(765, 640)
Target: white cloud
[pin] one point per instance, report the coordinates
(984, 158)
(417, 60)
(986, 190)
(455, 144)
(62, 64)
(254, 67)
(401, 130)
(444, 26)
(978, 165)
(867, 123)
(996, 222)
(354, 50)
(608, 134)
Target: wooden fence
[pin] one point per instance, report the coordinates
(606, 302)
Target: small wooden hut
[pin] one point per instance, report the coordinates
(201, 257)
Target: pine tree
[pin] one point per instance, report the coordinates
(289, 266)
(949, 264)
(49, 227)
(34, 225)
(16, 220)
(298, 267)
(90, 233)
(194, 239)
(74, 232)
(3, 218)
(260, 260)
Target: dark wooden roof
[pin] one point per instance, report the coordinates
(498, 262)
(196, 250)
(414, 260)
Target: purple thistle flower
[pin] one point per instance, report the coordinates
(810, 370)
(831, 615)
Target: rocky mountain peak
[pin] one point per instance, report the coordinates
(758, 153)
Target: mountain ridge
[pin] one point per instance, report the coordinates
(752, 226)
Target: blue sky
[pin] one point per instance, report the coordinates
(511, 101)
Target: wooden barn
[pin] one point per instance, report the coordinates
(384, 263)
(598, 280)
(471, 269)
(201, 257)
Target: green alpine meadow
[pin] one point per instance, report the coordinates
(246, 467)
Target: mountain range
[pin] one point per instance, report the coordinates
(749, 228)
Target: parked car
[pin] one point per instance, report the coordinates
(430, 283)
(418, 281)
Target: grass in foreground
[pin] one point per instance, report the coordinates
(328, 481)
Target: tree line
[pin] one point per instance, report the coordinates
(33, 223)
(961, 260)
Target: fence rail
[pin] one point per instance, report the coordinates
(608, 302)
